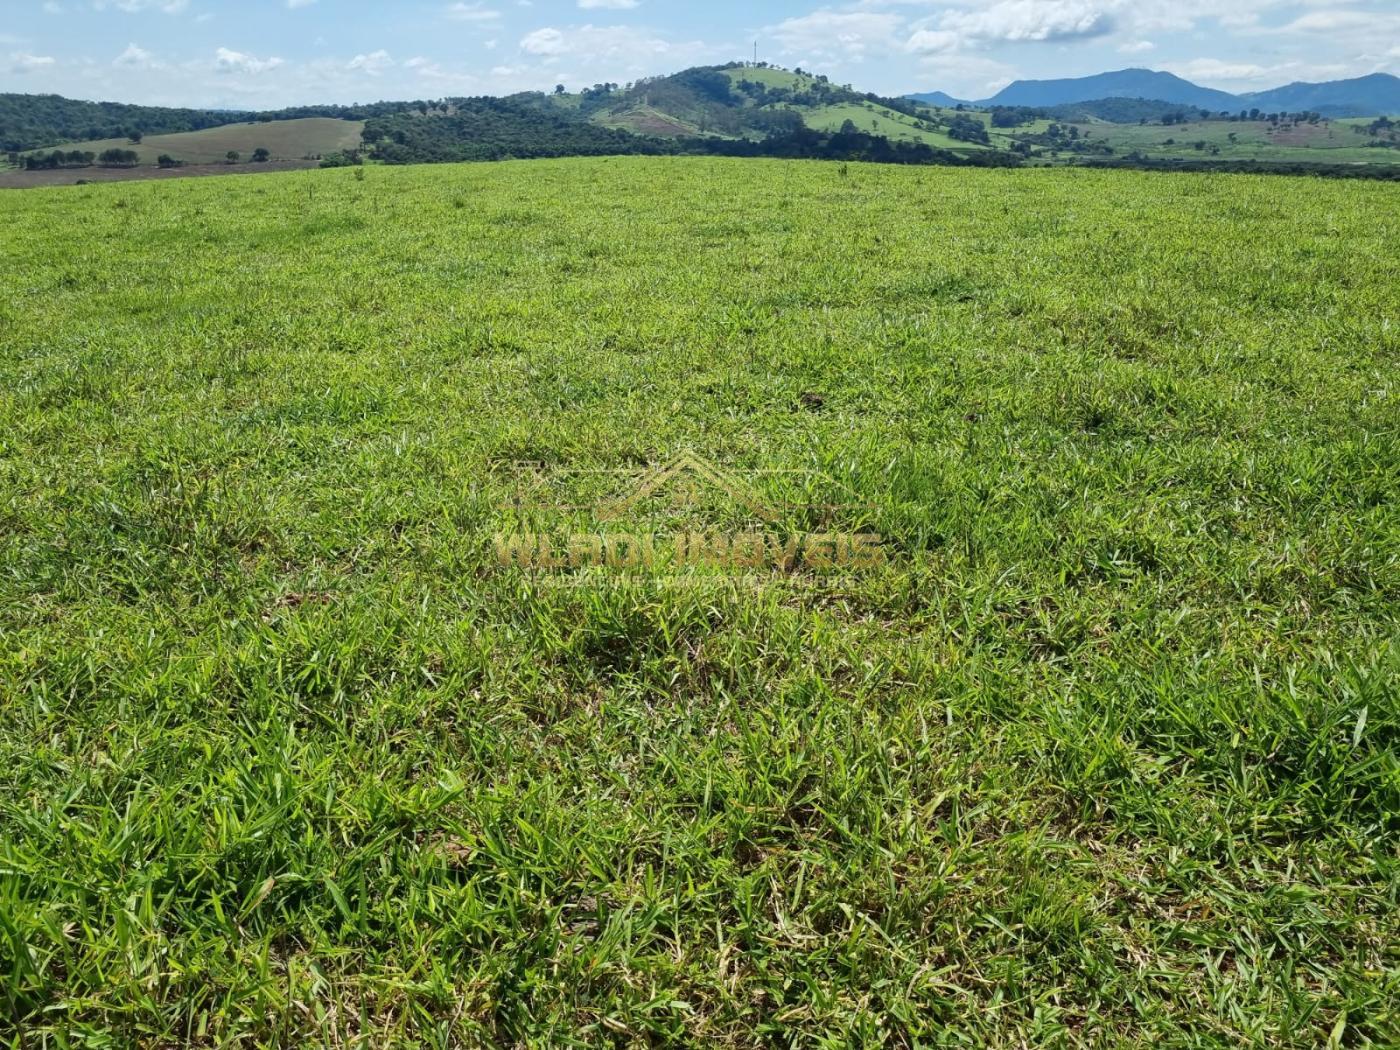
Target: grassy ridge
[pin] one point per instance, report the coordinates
(1107, 756)
(879, 120)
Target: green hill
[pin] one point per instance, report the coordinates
(751, 102)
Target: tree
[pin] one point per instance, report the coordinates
(261, 156)
(135, 137)
(119, 158)
(59, 159)
(167, 161)
(559, 89)
(968, 129)
(232, 156)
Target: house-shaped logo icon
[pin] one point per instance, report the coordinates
(684, 482)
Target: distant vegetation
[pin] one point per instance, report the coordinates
(30, 121)
(732, 110)
(499, 129)
(1114, 110)
(968, 129)
(110, 158)
(59, 159)
(493, 129)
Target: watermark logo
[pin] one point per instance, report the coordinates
(687, 479)
(686, 519)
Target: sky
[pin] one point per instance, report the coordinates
(264, 54)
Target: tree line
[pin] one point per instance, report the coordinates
(114, 158)
(108, 158)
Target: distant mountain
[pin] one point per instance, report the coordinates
(1371, 96)
(1368, 96)
(1125, 83)
(939, 98)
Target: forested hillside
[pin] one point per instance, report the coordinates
(31, 121)
(34, 121)
(492, 129)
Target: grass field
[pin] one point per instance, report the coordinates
(771, 76)
(1332, 142)
(284, 139)
(1104, 756)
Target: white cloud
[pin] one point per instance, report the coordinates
(966, 47)
(23, 62)
(1030, 21)
(474, 12)
(544, 42)
(135, 58)
(1245, 76)
(1215, 69)
(1327, 21)
(838, 35)
(227, 61)
(639, 47)
(968, 76)
(934, 42)
(136, 7)
(424, 67)
(372, 64)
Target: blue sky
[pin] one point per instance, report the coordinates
(269, 53)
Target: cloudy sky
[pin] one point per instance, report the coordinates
(270, 53)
